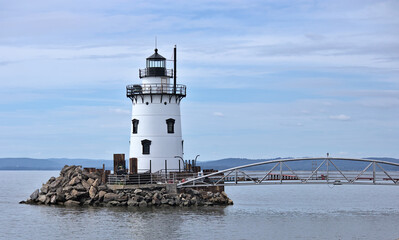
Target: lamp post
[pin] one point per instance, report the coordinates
(195, 161)
(179, 161)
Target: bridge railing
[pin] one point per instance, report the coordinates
(326, 170)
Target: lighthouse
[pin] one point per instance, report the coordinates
(156, 137)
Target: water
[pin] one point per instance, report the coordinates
(259, 212)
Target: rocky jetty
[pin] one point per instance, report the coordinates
(75, 187)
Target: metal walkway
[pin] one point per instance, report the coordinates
(326, 170)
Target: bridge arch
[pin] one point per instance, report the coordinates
(328, 171)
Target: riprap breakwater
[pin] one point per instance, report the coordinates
(75, 187)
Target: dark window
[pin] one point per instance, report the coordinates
(146, 146)
(171, 125)
(135, 123)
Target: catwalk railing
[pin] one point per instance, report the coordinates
(156, 88)
(320, 171)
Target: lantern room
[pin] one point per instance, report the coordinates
(156, 67)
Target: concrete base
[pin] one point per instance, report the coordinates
(171, 188)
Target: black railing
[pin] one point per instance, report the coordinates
(143, 89)
(155, 72)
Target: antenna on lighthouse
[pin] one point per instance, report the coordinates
(155, 42)
(174, 66)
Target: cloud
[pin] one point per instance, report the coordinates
(218, 114)
(120, 111)
(380, 102)
(340, 117)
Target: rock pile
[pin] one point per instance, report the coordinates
(75, 187)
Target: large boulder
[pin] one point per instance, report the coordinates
(74, 180)
(53, 199)
(102, 188)
(92, 192)
(60, 197)
(96, 183)
(71, 203)
(79, 187)
(56, 183)
(122, 198)
(90, 181)
(113, 203)
(67, 188)
(42, 198)
(34, 195)
(138, 191)
(65, 169)
(101, 194)
(52, 179)
(155, 202)
(44, 188)
(132, 202)
(78, 194)
(110, 197)
(85, 184)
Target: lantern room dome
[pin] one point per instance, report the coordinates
(156, 56)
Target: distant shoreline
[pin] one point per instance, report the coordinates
(56, 164)
(29, 169)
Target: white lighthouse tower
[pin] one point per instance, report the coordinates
(156, 137)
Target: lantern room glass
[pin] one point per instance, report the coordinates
(156, 63)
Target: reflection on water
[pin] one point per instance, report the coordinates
(260, 212)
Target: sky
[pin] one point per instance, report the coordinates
(265, 79)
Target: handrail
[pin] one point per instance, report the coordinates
(155, 88)
(150, 178)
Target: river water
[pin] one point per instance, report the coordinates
(259, 212)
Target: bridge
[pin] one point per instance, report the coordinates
(326, 170)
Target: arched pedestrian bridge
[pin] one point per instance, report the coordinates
(327, 170)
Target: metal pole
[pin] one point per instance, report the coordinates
(328, 161)
(180, 158)
(196, 159)
(236, 178)
(175, 70)
(327, 169)
(374, 172)
(166, 169)
(281, 172)
(150, 167)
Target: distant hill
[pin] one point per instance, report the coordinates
(59, 163)
(50, 163)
